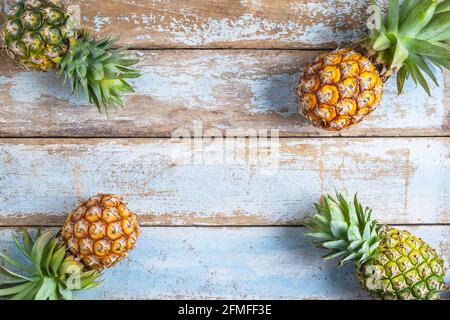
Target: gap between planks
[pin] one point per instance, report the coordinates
(230, 226)
(113, 137)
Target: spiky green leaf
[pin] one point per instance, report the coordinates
(401, 79)
(339, 229)
(15, 263)
(65, 292)
(421, 63)
(418, 18)
(416, 74)
(438, 29)
(333, 255)
(353, 233)
(393, 16)
(48, 254)
(100, 71)
(50, 268)
(47, 289)
(27, 242)
(319, 236)
(7, 282)
(37, 251)
(426, 48)
(340, 245)
(25, 291)
(14, 290)
(400, 55)
(382, 42)
(93, 285)
(57, 259)
(21, 247)
(443, 6)
(11, 274)
(406, 7)
(347, 232)
(440, 62)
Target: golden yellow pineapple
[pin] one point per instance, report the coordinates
(339, 89)
(101, 231)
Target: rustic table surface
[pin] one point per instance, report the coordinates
(211, 228)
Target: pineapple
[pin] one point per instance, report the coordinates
(390, 263)
(97, 235)
(101, 231)
(339, 89)
(44, 35)
(52, 274)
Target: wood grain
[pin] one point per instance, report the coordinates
(232, 263)
(227, 23)
(224, 89)
(232, 182)
(224, 182)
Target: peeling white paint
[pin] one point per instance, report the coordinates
(291, 22)
(157, 177)
(251, 3)
(100, 21)
(231, 263)
(247, 28)
(235, 84)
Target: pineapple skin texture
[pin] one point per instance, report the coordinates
(37, 33)
(339, 89)
(101, 231)
(406, 268)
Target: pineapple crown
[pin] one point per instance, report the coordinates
(45, 35)
(345, 229)
(99, 70)
(52, 274)
(410, 38)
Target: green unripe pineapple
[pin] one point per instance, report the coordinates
(390, 263)
(44, 35)
(36, 33)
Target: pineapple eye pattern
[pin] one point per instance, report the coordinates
(32, 20)
(373, 278)
(339, 81)
(15, 10)
(34, 42)
(35, 4)
(14, 29)
(101, 231)
(51, 35)
(54, 17)
(408, 46)
(390, 263)
(54, 40)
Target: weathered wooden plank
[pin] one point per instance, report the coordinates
(232, 263)
(222, 89)
(230, 181)
(227, 23)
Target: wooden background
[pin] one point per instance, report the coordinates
(216, 229)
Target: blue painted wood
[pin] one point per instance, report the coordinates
(224, 89)
(166, 183)
(234, 263)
